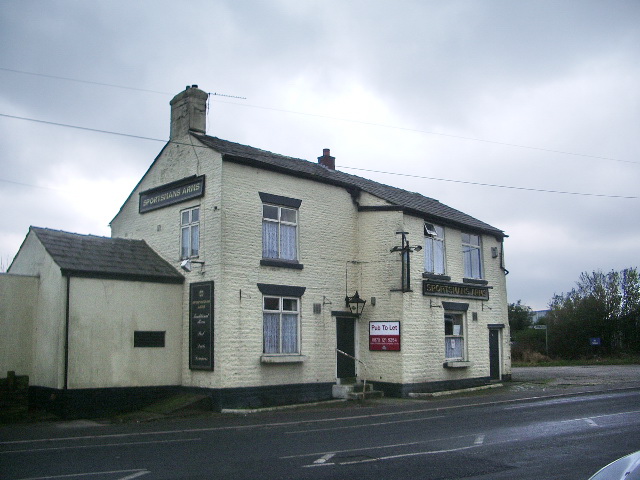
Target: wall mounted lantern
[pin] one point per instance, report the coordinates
(355, 304)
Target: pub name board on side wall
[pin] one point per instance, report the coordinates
(171, 193)
(201, 326)
(458, 290)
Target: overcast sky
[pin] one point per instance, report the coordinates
(446, 96)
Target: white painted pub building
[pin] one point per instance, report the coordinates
(255, 279)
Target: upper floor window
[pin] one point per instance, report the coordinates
(471, 255)
(190, 233)
(279, 232)
(434, 249)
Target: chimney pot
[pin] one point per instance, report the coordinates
(326, 160)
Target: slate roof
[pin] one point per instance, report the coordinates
(103, 257)
(411, 202)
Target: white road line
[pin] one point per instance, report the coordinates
(600, 416)
(324, 458)
(590, 422)
(297, 422)
(377, 447)
(218, 429)
(135, 475)
(404, 455)
(100, 445)
(83, 475)
(362, 425)
(479, 440)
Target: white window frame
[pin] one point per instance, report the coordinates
(283, 310)
(472, 251)
(455, 340)
(434, 248)
(268, 253)
(192, 229)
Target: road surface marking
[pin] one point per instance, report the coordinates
(413, 454)
(479, 440)
(377, 447)
(324, 458)
(590, 422)
(362, 425)
(299, 422)
(600, 416)
(100, 445)
(137, 473)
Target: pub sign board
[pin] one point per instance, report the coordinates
(171, 193)
(457, 290)
(384, 336)
(201, 326)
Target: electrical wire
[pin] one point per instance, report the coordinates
(329, 117)
(466, 182)
(83, 81)
(140, 137)
(427, 132)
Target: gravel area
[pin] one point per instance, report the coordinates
(608, 376)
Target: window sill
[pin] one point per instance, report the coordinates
(274, 262)
(475, 281)
(457, 364)
(274, 358)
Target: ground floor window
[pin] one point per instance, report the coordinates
(281, 324)
(454, 336)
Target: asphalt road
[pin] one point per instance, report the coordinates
(562, 424)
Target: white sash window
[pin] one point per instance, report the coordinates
(434, 249)
(190, 233)
(281, 325)
(279, 232)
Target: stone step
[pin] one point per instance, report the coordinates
(355, 391)
(365, 395)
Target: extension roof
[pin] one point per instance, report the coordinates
(103, 257)
(409, 202)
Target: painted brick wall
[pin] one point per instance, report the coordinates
(342, 251)
(326, 222)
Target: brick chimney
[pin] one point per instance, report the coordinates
(326, 160)
(188, 112)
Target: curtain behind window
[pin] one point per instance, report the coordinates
(289, 333)
(288, 247)
(271, 322)
(269, 240)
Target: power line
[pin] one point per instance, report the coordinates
(124, 87)
(84, 81)
(427, 132)
(528, 189)
(140, 137)
(329, 117)
(22, 184)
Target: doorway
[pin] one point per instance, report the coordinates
(345, 342)
(494, 354)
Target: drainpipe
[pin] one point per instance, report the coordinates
(66, 334)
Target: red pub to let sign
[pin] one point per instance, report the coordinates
(384, 336)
